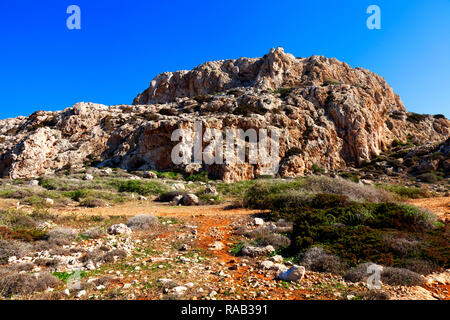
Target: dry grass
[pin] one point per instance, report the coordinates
(317, 259)
(9, 248)
(142, 222)
(389, 275)
(15, 284)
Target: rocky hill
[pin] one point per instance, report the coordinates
(330, 116)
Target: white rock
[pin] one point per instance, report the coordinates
(179, 290)
(215, 246)
(150, 175)
(259, 221)
(190, 200)
(127, 286)
(81, 293)
(211, 190)
(178, 186)
(294, 274)
(266, 264)
(67, 292)
(257, 251)
(279, 267)
(34, 183)
(276, 258)
(88, 177)
(177, 199)
(49, 201)
(119, 229)
(90, 266)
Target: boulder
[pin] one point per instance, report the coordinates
(294, 274)
(150, 175)
(252, 251)
(117, 229)
(190, 200)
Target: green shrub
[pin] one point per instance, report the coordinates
(317, 169)
(246, 109)
(284, 92)
(77, 195)
(48, 183)
(358, 232)
(293, 152)
(330, 81)
(169, 175)
(406, 192)
(350, 176)
(202, 177)
(415, 117)
(429, 177)
(140, 187)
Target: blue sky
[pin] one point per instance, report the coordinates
(122, 45)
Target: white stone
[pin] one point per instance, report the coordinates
(81, 293)
(179, 290)
(266, 264)
(259, 221)
(119, 229)
(294, 274)
(217, 245)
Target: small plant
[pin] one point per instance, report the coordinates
(330, 81)
(15, 283)
(293, 152)
(283, 92)
(48, 183)
(317, 169)
(237, 248)
(350, 176)
(429, 177)
(202, 177)
(246, 109)
(140, 187)
(406, 192)
(415, 117)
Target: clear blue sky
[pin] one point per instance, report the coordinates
(122, 45)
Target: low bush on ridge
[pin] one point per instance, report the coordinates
(353, 224)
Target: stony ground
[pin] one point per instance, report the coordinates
(188, 255)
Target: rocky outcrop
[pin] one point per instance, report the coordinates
(329, 115)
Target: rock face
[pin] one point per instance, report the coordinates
(328, 114)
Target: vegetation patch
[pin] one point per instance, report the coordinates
(141, 187)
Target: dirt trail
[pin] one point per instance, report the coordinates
(440, 206)
(160, 209)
